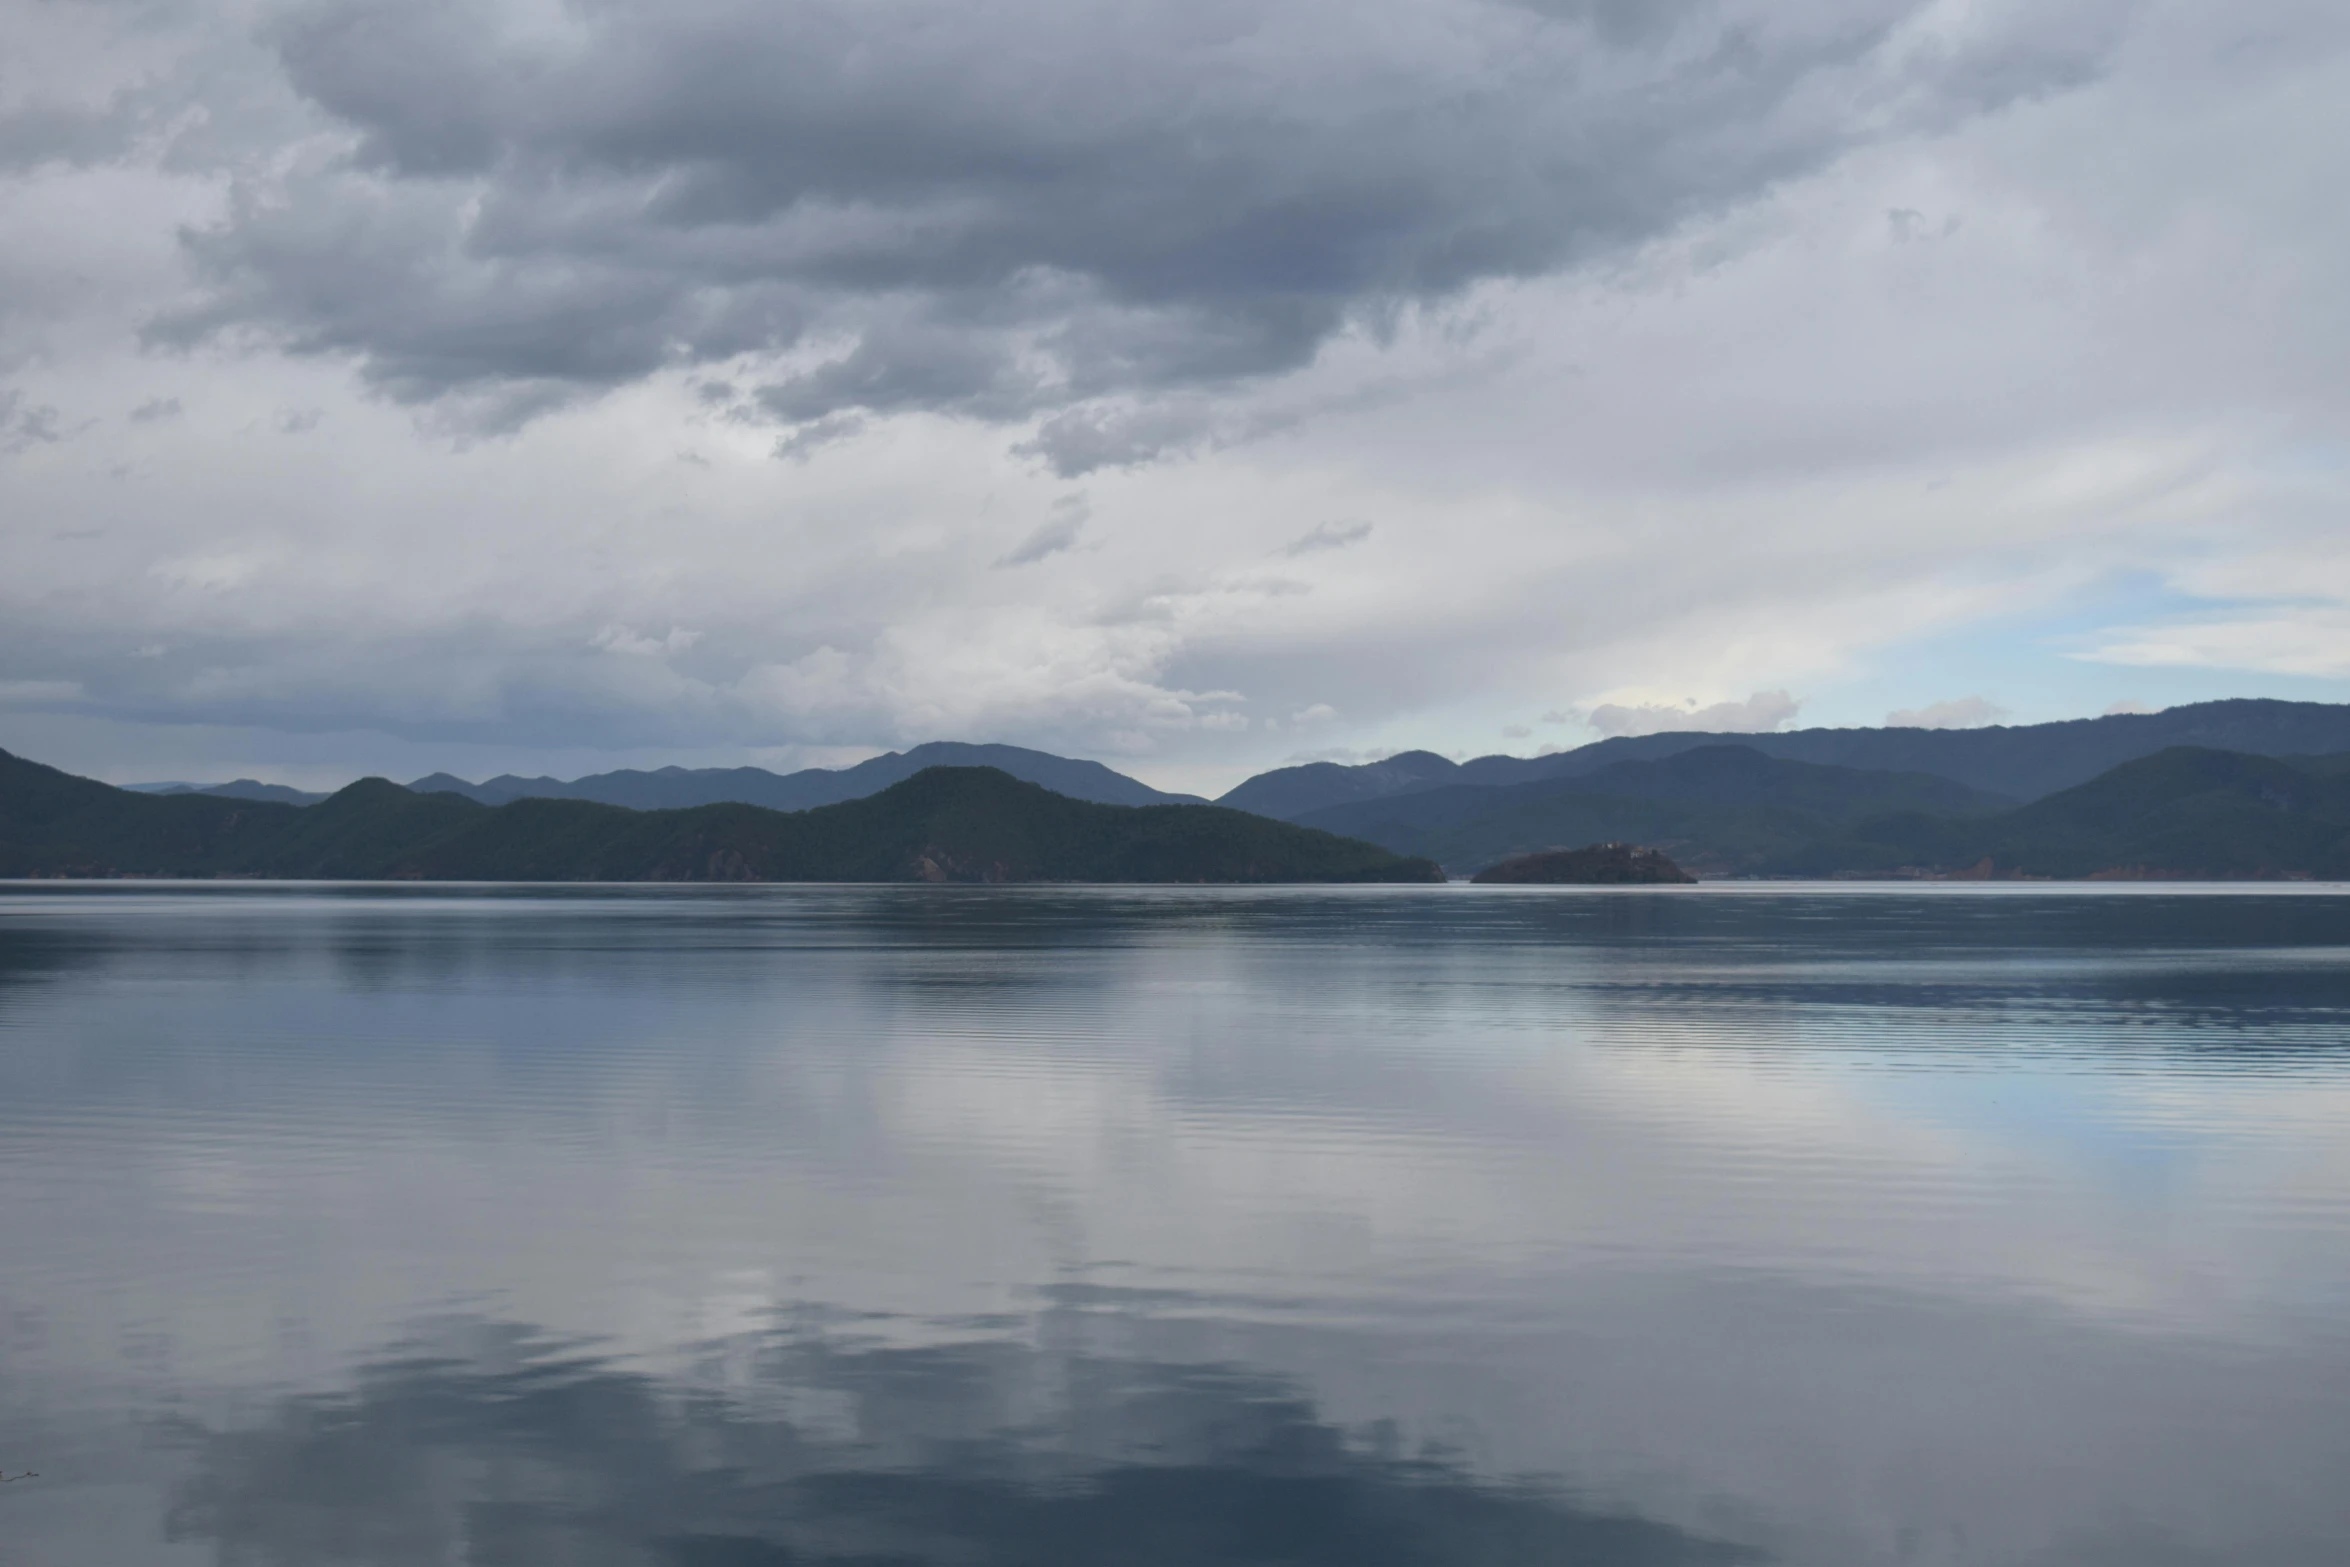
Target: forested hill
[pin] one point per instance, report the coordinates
(2185, 813)
(967, 824)
(1723, 810)
(2023, 761)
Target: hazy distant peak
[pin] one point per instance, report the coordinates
(674, 787)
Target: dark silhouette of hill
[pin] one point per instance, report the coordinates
(672, 788)
(2023, 762)
(1724, 809)
(943, 824)
(1292, 792)
(238, 789)
(2187, 812)
(54, 824)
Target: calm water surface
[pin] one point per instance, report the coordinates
(1458, 1225)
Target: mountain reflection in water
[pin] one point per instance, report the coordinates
(500, 1445)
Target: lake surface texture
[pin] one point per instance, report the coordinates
(808, 1227)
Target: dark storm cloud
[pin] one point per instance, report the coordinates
(38, 134)
(1006, 209)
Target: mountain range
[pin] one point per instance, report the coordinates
(1722, 810)
(2000, 762)
(675, 788)
(2021, 762)
(1718, 809)
(943, 824)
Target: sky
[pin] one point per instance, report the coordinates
(557, 385)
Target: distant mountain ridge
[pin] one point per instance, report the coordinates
(2024, 761)
(239, 789)
(2185, 812)
(972, 824)
(674, 788)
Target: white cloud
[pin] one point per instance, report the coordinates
(1965, 712)
(620, 639)
(2297, 640)
(1758, 714)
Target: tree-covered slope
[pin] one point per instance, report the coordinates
(943, 824)
(54, 824)
(2023, 761)
(1724, 809)
(2183, 813)
(1594, 865)
(2029, 761)
(1291, 793)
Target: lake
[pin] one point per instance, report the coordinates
(748, 1227)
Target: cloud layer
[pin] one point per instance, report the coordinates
(573, 383)
(1011, 208)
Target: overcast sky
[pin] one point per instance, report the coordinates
(554, 385)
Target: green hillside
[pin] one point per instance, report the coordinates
(54, 824)
(1721, 809)
(971, 824)
(2182, 813)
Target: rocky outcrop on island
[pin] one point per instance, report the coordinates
(1594, 865)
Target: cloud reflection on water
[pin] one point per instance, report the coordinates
(1989, 1224)
(503, 1445)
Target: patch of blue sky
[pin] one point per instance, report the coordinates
(2036, 665)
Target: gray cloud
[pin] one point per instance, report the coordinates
(1006, 210)
(1965, 712)
(25, 424)
(1051, 539)
(1600, 308)
(1327, 536)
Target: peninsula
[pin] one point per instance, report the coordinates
(1595, 865)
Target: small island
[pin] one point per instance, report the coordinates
(1593, 865)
